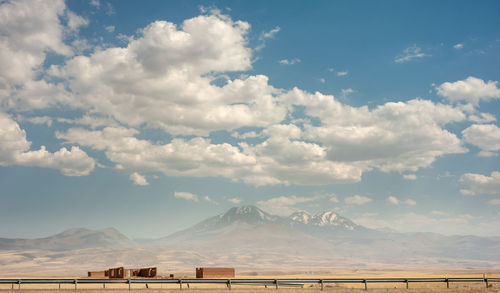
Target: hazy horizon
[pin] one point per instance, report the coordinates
(151, 117)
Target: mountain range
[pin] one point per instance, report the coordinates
(250, 239)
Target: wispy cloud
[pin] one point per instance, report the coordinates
(342, 73)
(289, 61)
(265, 36)
(458, 46)
(410, 176)
(409, 54)
(186, 196)
(210, 200)
(234, 200)
(357, 199)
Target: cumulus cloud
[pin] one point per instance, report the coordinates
(392, 137)
(481, 184)
(163, 78)
(130, 83)
(410, 54)
(138, 179)
(357, 199)
(484, 136)
(392, 200)
(471, 90)
(15, 150)
(186, 196)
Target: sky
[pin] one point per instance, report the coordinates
(150, 116)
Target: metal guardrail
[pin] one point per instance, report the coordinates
(16, 284)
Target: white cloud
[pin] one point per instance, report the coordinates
(392, 137)
(342, 73)
(357, 199)
(458, 46)
(245, 135)
(271, 33)
(95, 3)
(30, 30)
(410, 176)
(345, 92)
(138, 179)
(392, 200)
(471, 90)
(75, 21)
(174, 67)
(289, 61)
(234, 200)
(186, 196)
(410, 202)
(409, 54)
(15, 150)
(110, 28)
(210, 200)
(484, 136)
(284, 205)
(322, 80)
(481, 184)
(129, 83)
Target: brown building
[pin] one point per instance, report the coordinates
(123, 273)
(215, 273)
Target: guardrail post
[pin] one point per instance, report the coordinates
(104, 285)
(76, 286)
(366, 284)
(129, 284)
(19, 285)
(322, 285)
(180, 284)
(407, 284)
(276, 281)
(447, 283)
(59, 286)
(486, 281)
(229, 284)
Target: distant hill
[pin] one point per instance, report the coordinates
(77, 238)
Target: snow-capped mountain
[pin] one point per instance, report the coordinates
(328, 219)
(301, 217)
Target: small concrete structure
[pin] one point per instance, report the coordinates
(215, 273)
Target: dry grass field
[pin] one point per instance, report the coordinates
(382, 287)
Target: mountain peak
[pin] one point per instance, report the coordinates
(322, 219)
(248, 214)
(300, 217)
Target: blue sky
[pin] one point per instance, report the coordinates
(149, 117)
